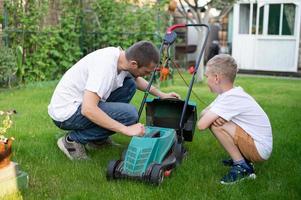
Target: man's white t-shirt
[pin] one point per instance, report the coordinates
(96, 72)
(239, 107)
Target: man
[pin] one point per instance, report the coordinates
(92, 98)
(236, 120)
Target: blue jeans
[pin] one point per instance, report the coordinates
(117, 106)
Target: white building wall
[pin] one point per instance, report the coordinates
(299, 62)
(264, 51)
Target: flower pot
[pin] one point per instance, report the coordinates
(5, 152)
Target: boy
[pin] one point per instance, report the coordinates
(92, 98)
(236, 120)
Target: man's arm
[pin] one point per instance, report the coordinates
(96, 115)
(142, 85)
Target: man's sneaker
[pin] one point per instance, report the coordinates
(73, 150)
(98, 144)
(237, 173)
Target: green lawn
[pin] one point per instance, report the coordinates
(53, 176)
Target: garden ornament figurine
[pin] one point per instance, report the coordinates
(5, 143)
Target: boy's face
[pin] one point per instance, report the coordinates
(138, 71)
(212, 80)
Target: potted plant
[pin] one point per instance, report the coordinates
(5, 143)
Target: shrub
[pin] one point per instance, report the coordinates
(48, 50)
(8, 67)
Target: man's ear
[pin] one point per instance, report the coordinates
(134, 64)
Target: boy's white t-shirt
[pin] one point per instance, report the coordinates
(96, 72)
(239, 107)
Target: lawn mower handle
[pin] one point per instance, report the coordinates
(197, 64)
(170, 36)
(173, 27)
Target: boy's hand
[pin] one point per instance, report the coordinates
(219, 122)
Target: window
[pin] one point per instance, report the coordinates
(253, 30)
(244, 18)
(288, 19)
(274, 19)
(261, 14)
(276, 11)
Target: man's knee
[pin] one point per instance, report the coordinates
(131, 114)
(125, 93)
(129, 89)
(130, 84)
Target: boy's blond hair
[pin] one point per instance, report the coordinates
(223, 64)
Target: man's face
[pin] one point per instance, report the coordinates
(138, 71)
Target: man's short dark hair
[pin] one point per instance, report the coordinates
(144, 53)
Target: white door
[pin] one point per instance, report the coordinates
(244, 30)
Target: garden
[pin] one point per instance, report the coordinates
(53, 176)
(34, 55)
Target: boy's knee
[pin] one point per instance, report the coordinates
(215, 129)
(228, 128)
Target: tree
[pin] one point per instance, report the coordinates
(196, 8)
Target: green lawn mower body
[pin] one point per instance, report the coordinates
(159, 150)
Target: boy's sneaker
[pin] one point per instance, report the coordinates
(95, 145)
(72, 149)
(237, 173)
(229, 162)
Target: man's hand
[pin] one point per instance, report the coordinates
(170, 95)
(219, 122)
(142, 84)
(134, 130)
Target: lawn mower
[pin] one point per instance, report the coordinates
(169, 122)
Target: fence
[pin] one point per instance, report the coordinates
(88, 41)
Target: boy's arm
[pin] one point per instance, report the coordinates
(204, 111)
(207, 119)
